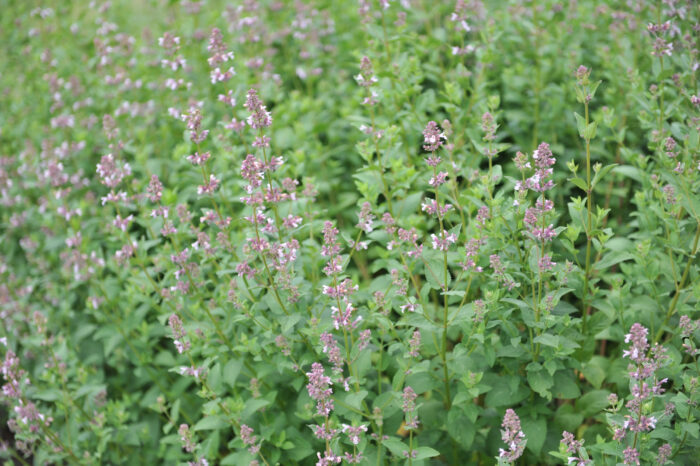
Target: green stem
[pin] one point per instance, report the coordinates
(589, 229)
(681, 284)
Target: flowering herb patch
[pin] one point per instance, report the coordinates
(372, 232)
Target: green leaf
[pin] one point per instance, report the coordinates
(691, 428)
(175, 410)
(211, 423)
(612, 258)
(580, 124)
(535, 431)
(540, 381)
(289, 321)
(589, 133)
(355, 399)
(567, 418)
(500, 394)
(395, 446)
(50, 394)
(594, 371)
(565, 387)
(252, 406)
(580, 183)
(629, 172)
(421, 382)
(214, 378)
(231, 371)
(592, 402)
(435, 273)
(548, 339)
(600, 174)
(408, 205)
(460, 427)
(426, 452)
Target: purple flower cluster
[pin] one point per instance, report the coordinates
(513, 436)
(28, 421)
(259, 116)
(575, 448)
(219, 55)
(409, 408)
(432, 140)
(644, 363)
(319, 388)
(249, 439)
(179, 334)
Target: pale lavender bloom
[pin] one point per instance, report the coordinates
(466, 50)
(545, 263)
(363, 341)
(500, 272)
(431, 207)
(186, 438)
(330, 347)
(217, 75)
(631, 456)
(366, 218)
(327, 459)
(323, 433)
(687, 326)
(459, 16)
(638, 337)
(471, 250)
(198, 159)
(513, 436)
(664, 454)
(433, 137)
(409, 306)
(366, 76)
(521, 161)
(341, 290)
(127, 251)
(479, 311)
(488, 126)
(110, 173)
(342, 317)
(210, 187)
(13, 374)
(354, 433)
(259, 116)
(414, 344)
(670, 193)
(438, 179)
(155, 189)
(122, 223)
(319, 389)
(192, 371)
(444, 241)
(228, 98)
(573, 446)
(235, 125)
(670, 147)
(662, 47)
(409, 408)
(249, 439)
(179, 333)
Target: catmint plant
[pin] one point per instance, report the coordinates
(376, 232)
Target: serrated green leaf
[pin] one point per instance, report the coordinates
(211, 423)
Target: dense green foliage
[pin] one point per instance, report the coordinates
(470, 221)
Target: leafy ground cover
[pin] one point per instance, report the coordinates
(368, 232)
